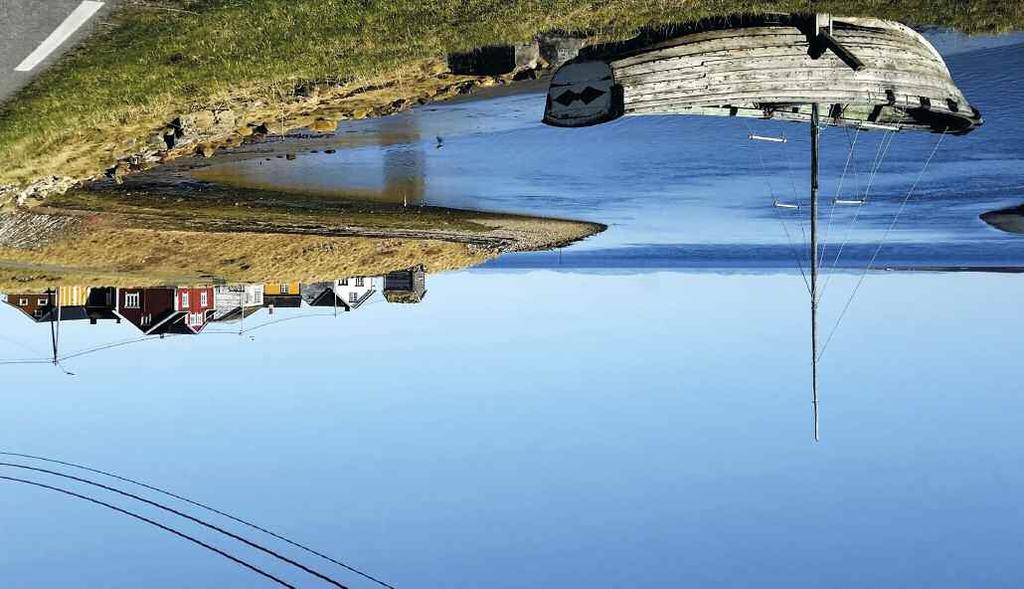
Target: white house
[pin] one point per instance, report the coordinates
(231, 301)
(356, 290)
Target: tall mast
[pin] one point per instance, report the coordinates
(814, 264)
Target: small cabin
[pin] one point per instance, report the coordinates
(406, 286)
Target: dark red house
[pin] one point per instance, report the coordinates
(197, 305)
(150, 309)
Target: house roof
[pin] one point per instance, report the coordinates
(288, 300)
(66, 314)
(366, 296)
(328, 298)
(234, 315)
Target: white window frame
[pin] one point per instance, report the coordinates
(132, 300)
(204, 298)
(184, 299)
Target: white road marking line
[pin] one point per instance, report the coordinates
(67, 28)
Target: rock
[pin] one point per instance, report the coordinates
(38, 190)
(556, 48)
(206, 123)
(156, 141)
(323, 125)
(361, 113)
(276, 128)
(245, 131)
(206, 150)
(290, 156)
(198, 122)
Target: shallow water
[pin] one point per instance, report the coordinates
(633, 411)
(662, 181)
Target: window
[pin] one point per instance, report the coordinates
(284, 289)
(359, 281)
(146, 319)
(37, 313)
(203, 298)
(184, 299)
(131, 300)
(22, 302)
(43, 302)
(343, 282)
(352, 297)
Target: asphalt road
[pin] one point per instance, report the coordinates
(25, 24)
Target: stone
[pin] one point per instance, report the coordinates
(323, 125)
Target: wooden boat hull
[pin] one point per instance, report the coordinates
(771, 68)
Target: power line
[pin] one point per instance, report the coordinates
(193, 519)
(202, 506)
(152, 522)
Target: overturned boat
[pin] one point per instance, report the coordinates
(818, 69)
(864, 72)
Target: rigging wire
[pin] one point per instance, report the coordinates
(885, 236)
(778, 215)
(839, 194)
(182, 514)
(152, 522)
(876, 165)
(201, 506)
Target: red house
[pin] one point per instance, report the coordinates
(197, 305)
(149, 309)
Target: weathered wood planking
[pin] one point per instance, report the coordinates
(760, 66)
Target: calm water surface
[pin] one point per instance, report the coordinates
(632, 412)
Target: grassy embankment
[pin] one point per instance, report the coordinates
(150, 238)
(288, 58)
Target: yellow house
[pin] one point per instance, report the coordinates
(282, 294)
(281, 288)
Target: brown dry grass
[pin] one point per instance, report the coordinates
(123, 257)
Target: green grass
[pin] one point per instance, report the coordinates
(154, 61)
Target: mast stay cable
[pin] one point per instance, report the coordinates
(885, 236)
